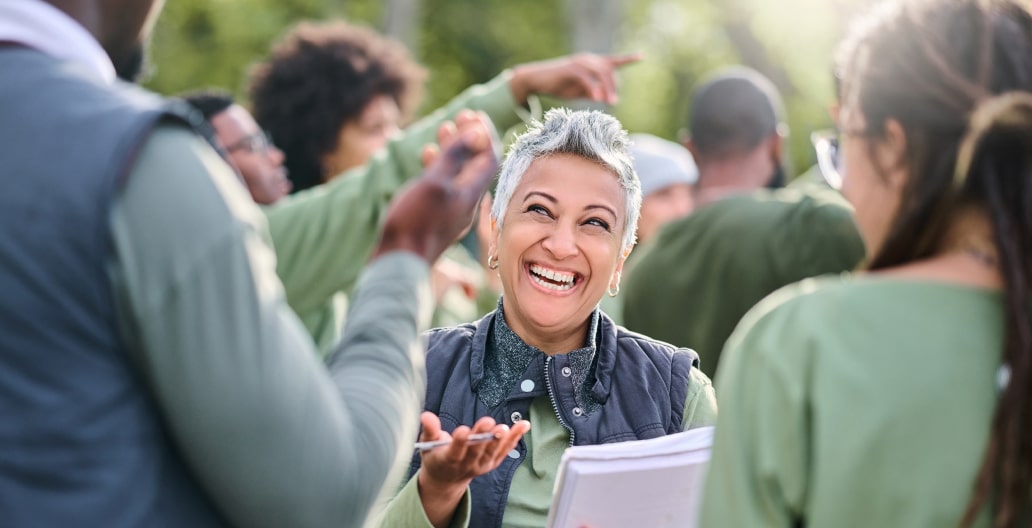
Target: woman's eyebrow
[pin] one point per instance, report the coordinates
(544, 195)
(603, 207)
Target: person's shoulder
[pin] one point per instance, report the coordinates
(807, 294)
(450, 338)
(443, 332)
(629, 340)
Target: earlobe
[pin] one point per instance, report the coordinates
(778, 147)
(614, 283)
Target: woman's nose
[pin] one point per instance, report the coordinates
(561, 243)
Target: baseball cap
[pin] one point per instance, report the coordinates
(660, 163)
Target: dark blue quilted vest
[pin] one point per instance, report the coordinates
(81, 441)
(640, 383)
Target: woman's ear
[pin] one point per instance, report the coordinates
(492, 244)
(614, 281)
(890, 153)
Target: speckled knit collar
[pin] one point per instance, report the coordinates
(507, 356)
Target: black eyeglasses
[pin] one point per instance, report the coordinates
(255, 143)
(829, 157)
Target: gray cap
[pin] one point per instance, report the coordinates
(660, 163)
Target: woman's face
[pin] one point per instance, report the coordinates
(873, 176)
(559, 245)
(361, 137)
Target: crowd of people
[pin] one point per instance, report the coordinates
(219, 314)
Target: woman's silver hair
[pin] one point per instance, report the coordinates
(590, 134)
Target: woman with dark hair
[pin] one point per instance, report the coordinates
(331, 94)
(901, 396)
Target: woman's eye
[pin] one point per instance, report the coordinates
(538, 209)
(598, 222)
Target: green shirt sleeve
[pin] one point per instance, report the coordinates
(757, 473)
(324, 235)
(700, 405)
(271, 436)
(406, 510)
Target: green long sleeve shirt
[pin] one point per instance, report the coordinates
(323, 236)
(273, 436)
(855, 402)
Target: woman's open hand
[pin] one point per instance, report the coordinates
(447, 470)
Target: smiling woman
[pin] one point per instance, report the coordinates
(561, 248)
(562, 225)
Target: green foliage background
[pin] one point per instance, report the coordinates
(201, 43)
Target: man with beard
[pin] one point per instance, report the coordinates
(151, 373)
(747, 237)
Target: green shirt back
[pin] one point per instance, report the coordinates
(697, 278)
(855, 402)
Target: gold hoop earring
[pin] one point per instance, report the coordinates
(492, 262)
(613, 291)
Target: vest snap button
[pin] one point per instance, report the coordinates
(515, 453)
(515, 416)
(567, 371)
(577, 411)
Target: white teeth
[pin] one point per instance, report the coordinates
(557, 276)
(552, 286)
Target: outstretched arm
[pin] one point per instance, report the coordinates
(272, 438)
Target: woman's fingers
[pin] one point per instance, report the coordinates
(431, 427)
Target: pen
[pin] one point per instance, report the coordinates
(471, 439)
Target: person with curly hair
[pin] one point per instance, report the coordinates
(332, 94)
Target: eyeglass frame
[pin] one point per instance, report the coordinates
(256, 143)
(828, 146)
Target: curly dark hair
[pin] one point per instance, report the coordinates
(318, 77)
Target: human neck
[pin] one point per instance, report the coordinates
(549, 341)
(967, 256)
(719, 179)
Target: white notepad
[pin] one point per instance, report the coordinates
(644, 483)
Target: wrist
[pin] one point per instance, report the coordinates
(518, 84)
(389, 242)
(437, 491)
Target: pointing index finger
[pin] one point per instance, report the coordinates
(620, 60)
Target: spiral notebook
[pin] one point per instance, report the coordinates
(655, 483)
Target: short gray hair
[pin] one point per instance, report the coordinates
(590, 134)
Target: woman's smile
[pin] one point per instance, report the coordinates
(553, 281)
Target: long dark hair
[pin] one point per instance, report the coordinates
(955, 74)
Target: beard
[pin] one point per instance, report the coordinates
(131, 66)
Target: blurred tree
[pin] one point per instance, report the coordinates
(469, 41)
(400, 19)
